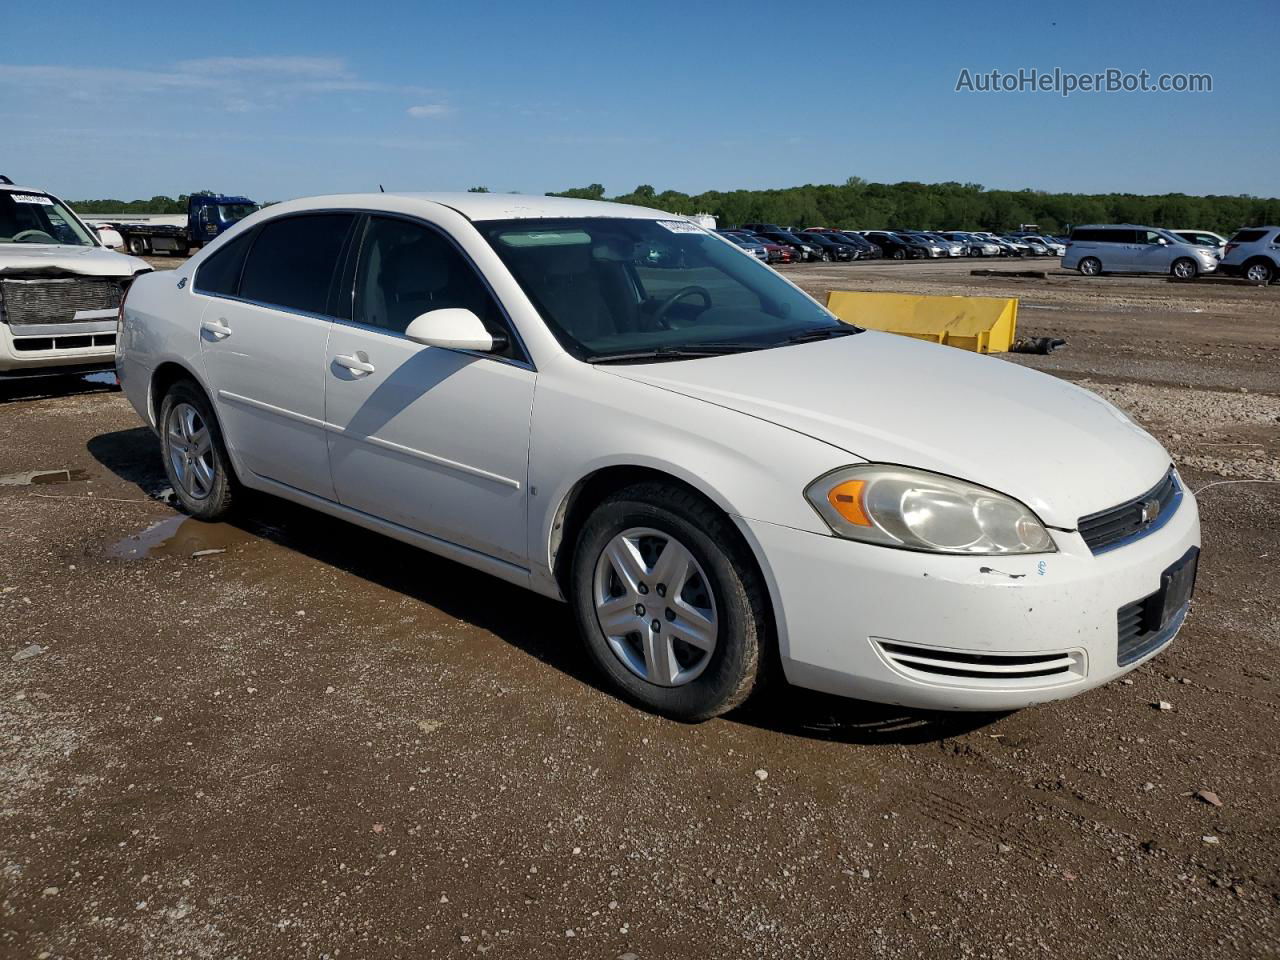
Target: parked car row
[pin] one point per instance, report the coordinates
(1093, 249)
(776, 244)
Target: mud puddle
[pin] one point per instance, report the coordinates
(37, 478)
(180, 536)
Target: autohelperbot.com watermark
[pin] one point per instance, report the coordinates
(1065, 82)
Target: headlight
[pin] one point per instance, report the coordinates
(917, 510)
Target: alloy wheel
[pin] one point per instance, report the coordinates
(655, 606)
(191, 451)
(1258, 273)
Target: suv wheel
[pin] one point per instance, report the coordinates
(1259, 271)
(195, 457)
(1184, 268)
(1090, 266)
(671, 610)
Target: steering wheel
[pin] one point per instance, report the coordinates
(679, 295)
(21, 235)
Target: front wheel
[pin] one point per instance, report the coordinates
(195, 457)
(671, 608)
(137, 246)
(899, 254)
(1090, 266)
(1184, 268)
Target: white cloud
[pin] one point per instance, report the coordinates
(235, 83)
(287, 66)
(430, 110)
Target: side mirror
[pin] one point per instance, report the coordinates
(454, 328)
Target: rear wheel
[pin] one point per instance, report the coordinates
(671, 608)
(899, 254)
(1259, 271)
(195, 457)
(1090, 266)
(1184, 268)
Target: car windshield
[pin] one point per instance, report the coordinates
(611, 286)
(39, 218)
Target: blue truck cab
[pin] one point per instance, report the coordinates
(208, 215)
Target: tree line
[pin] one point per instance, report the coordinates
(858, 204)
(154, 205)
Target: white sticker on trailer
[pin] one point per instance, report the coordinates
(680, 226)
(31, 198)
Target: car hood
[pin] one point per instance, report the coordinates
(36, 258)
(1060, 449)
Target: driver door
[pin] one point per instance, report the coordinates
(433, 439)
(1151, 254)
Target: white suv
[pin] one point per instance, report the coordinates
(1253, 253)
(60, 288)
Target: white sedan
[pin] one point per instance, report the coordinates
(612, 406)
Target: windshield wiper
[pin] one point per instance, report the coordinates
(689, 352)
(824, 333)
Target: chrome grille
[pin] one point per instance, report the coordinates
(55, 300)
(1133, 518)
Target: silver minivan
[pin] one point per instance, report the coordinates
(1128, 248)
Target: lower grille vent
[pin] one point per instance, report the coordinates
(997, 670)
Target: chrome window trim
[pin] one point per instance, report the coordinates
(525, 363)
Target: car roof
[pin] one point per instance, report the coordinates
(486, 206)
(1108, 226)
(18, 188)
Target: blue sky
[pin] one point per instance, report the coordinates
(281, 100)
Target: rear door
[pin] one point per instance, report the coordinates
(432, 439)
(263, 347)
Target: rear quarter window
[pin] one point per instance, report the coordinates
(1248, 236)
(219, 275)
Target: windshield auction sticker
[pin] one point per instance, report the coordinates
(680, 226)
(31, 198)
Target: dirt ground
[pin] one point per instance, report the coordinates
(315, 742)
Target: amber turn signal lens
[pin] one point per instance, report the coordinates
(846, 498)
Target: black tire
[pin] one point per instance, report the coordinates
(1184, 268)
(1090, 267)
(737, 665)
(1259, 271)
(137, 246)
(224, 490)
(899, 254)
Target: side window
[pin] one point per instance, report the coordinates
(408, 269)
(220, 273)
(292, 263)
(1150, 236)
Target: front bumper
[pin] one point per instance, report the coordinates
(89, 345)
(958, 633)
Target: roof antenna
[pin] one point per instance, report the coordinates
(380, 190)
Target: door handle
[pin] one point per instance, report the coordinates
(216, 329)
(358, 364)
